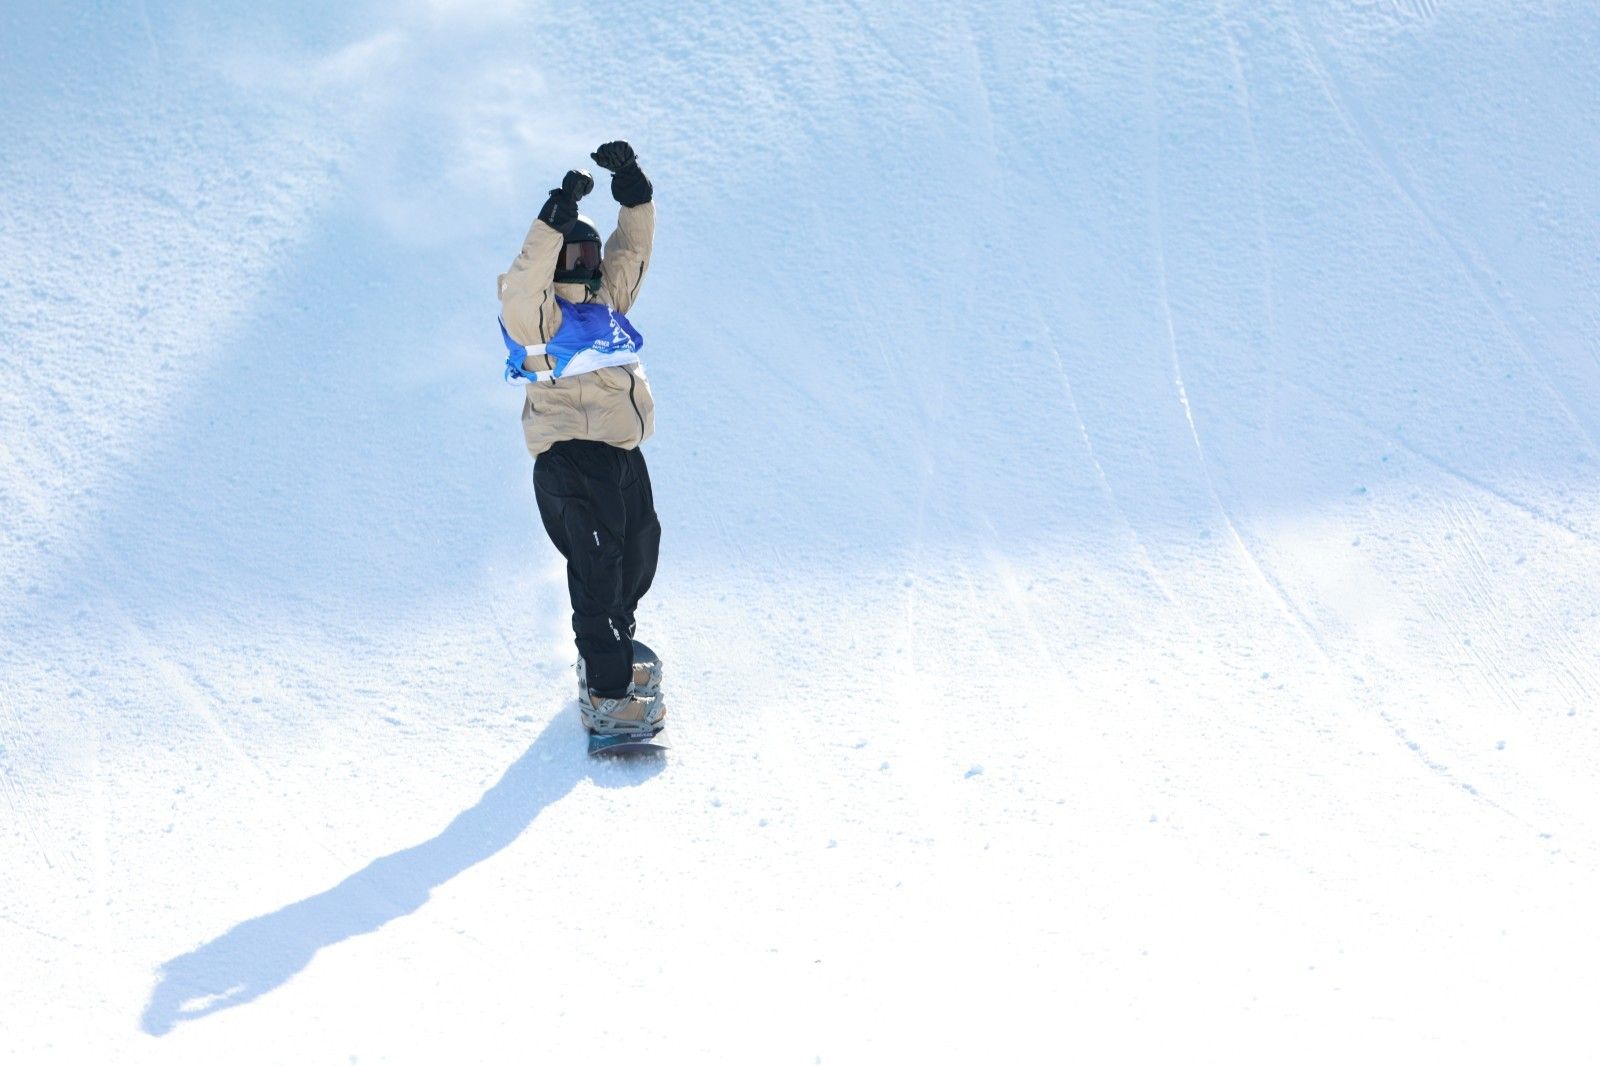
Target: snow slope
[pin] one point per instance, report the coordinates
(1131, 565)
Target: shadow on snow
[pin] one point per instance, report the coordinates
(264, 953)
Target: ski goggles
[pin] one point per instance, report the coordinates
(584, 255)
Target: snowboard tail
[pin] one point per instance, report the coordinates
(642, 743)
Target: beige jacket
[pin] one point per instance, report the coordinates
(613, 405)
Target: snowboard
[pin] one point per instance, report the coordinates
(644, 742)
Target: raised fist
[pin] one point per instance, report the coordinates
(629, 186)
(613, 155)
(577, 184)
(560, 211)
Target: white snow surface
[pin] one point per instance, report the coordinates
(1131, 577)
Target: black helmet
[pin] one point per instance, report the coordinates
(580, 255)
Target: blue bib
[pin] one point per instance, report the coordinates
(591, 336)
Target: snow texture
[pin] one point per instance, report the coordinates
(1131, 578)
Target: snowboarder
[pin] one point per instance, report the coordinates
(586, 411)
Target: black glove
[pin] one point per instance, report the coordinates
(560, 211)
(629, 186)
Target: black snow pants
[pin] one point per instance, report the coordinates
(596, 504)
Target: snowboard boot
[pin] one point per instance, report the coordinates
(624, 714)
(646, 680)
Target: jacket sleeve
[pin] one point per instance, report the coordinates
(627, 255)
(527, 290)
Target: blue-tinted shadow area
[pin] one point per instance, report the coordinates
(264, 953)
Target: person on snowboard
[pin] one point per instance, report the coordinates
(586, 411)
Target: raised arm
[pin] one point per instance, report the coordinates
(627, 254)
(527, 290)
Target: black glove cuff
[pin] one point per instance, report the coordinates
(560, 211)
(629, 186)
